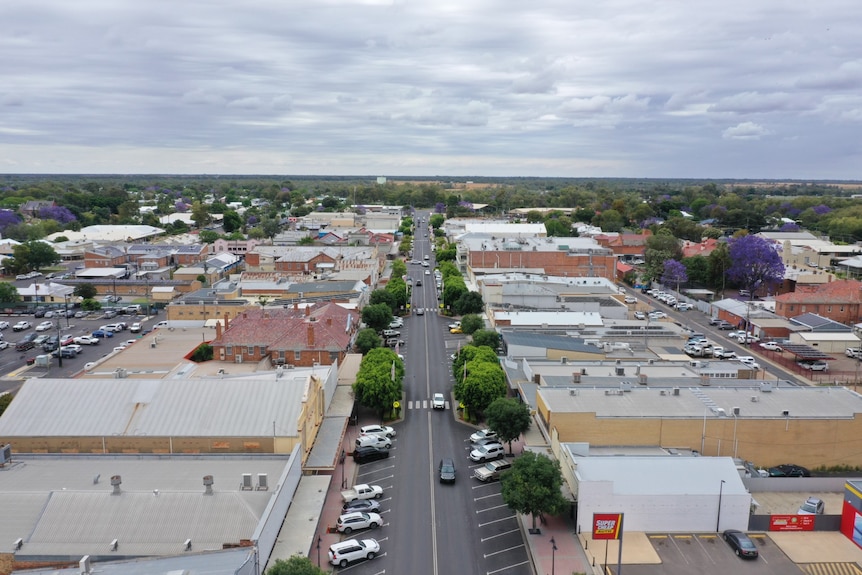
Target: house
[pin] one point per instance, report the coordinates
(704, 248)
(33, 207)
(627, 246)
(321, 334)
(104, 257)
(839, 301)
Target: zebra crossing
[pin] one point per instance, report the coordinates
(419, 404)
(426, 309)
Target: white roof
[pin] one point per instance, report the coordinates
(536, 318)
(661, 475)
(109, 233)
(159, 408)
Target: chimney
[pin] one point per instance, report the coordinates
(311, 335)
(329, 321)
(296, 305)
(307, 310)
(226, 321)
(218, 330)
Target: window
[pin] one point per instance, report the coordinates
(297, 355)
(251, 350)
(228, 350)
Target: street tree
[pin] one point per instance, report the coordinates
(366, 340)
(469, 302)
(470, 323)
(85, 291)
(532, 486)
(384, 296)
(295, 565)
(756, 263)
(399, 268)
(659, 248)
(673, 274)
(436, 220)
(470, 353)
(484, 382)
(377, 316)
(486, 338)
(398, 288)
(91, 305)
(231, 221)
(200, 214)
(509, 418)
(378, 382)
(8, 293)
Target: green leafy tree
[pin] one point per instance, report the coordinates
(306, 241)
(469, 302)
(296, 565)
(270, 227)
(470, 353)
(85, 291)
(486, 338)
(470, 323)
(399, 268)
(200, 214)
(660, 248)
(436, 220)
(375, 386)
(91, 305)
(208, 236)
(398, 288)
(8, 293)
(559, 227)
(384, 296)
(366, 340)
(532, 486)
(509, 418)
(377, 316)
(5, 400)
(453, 288)
(484, 382)
(231, 222)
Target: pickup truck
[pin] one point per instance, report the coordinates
(362, 491)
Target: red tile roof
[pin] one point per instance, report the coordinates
(837, 292)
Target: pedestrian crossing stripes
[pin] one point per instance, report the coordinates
(421, 404)
(831, 569)
(426, 309)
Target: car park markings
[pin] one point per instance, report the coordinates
(483, 539)
(507, 568)
(508, 517)
(478, 511)
(503, 550)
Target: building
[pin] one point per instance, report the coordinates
(840, 301)
(762, 423)
(317, 335)
(523, 291)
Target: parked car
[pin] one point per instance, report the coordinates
(101, 333)
(373, 440)
(719, 352)
(64, 352)
(789, 470)
(351, 550)
(383, 430)
(749, 361)
(355, 520)
(454, 325)
(45, 326)
(455, 330)
(725, 325)
(391, 333)
(4, 325)
(80, 314)
(86, 340)
(492, 470)
(714, 321)
(21, 326)
(630, 299)
(368, 454)
(483, 434)
(447, 470)
(367, 505)
(683, 306)
(487, 452)
(439, 401)
(27, 343)
(818, 365)
(853, 352)
(812, 506)
(396, 323)
(741, 544)
(640, 315)
(771, 346)
(135, 327)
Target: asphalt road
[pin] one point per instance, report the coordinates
(433, 528)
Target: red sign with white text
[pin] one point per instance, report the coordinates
(607, 525)
(791, 522)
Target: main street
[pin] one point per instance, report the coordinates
(434, 528)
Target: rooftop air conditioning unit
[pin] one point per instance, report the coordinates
(676, 391)
(246, 482)
(262, 482)
(564, 360)
(735, 411)
(754, 399)
(620, 371)
(576, 378)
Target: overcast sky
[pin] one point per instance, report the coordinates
(614, 88)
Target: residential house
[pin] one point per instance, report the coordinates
(104, 257)
(628, 247)
(33, 207)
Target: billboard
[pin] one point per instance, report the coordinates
(607, 525)
(791, 522)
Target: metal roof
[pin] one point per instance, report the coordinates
(804, 351)
(156, 407)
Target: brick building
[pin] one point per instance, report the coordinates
(839, 301)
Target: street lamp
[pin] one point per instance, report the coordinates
(553, 554)
(65, 310)
(319, 539)
(59, 353)
(718, 520)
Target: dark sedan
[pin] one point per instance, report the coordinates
(789, 470)
(740, 543)
(447, 470)
(369, 453)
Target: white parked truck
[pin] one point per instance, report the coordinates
(362, 491)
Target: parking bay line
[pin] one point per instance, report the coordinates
(497, 520)
(487, 497)
(507, 568)
(503, 551)
(483, 539)
(478, 511)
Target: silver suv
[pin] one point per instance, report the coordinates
(487, 452)
(352, 550)
(812, 506)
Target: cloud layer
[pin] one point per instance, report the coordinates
(420, 87)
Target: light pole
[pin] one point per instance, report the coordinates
(59, 353)
(553, 554)
(718, 519)
(319, 538)
(65, 310)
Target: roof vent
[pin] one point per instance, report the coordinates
(246, 482)
(262, 482)
(208, 484)
(785, 413)
(754, 399)
(116, 481)
(676, 391)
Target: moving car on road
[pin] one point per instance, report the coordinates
(438, 402)
(447, 470)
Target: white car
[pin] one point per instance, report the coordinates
(21, 326)
(487, 452)
(374, 441)
(438, 402)
(86, 340)
(771, 346)
(352, 550)
(4, 325)
(45, 326)
(483, 434)
(818, 365)
(4, 344)
(350, 522)
(640, 315)
(382, 430)
(631, 299)
(427, 273)
(74, 347)
(136, 327)
(395, 323)
(454, 325)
